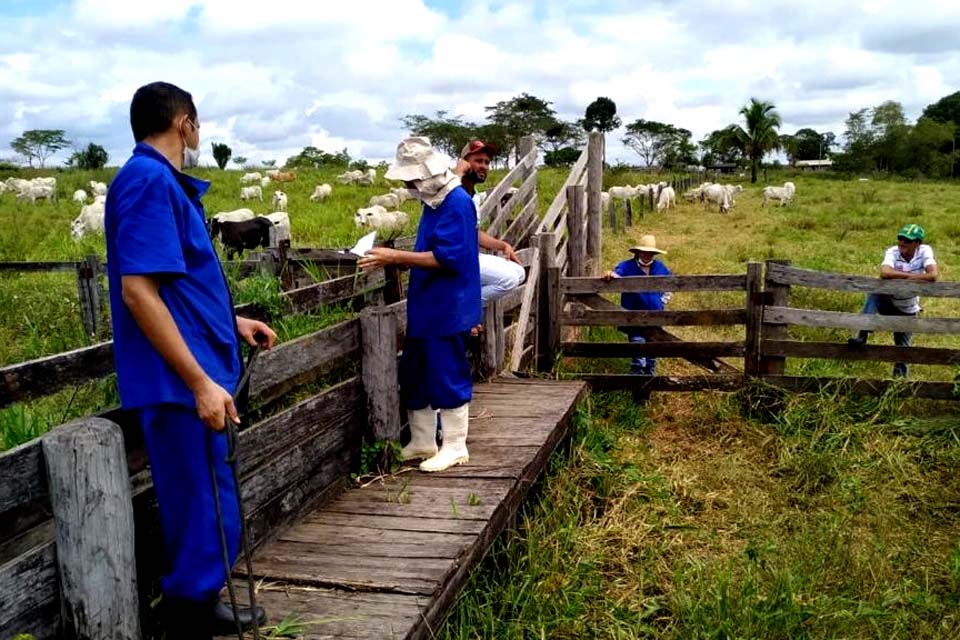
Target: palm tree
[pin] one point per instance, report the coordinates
(760, 134)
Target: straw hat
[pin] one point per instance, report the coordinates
(417, 160)
(647, 243)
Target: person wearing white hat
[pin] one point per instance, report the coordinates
(443, 305)
(643, 263)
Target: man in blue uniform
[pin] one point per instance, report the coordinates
(177, 352)
(643, 263)
(443, 304)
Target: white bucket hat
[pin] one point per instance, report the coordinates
(647, 243)
(417, 160)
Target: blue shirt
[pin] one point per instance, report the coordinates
(446, 301)
(154, 225)
(643, 300)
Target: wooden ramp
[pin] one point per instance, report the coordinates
(386, 561)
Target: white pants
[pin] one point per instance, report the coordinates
(498, 276)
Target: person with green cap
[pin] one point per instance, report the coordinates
(909, 259)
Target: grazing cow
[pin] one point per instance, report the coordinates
(250, 178)
(320, 192)
(376, 217)
(281, 226)
(783, 194)
(387, 201)
(285, 176)
(98, 188)
(90, 220)
(249, 193)
(239, 215)
(80, 196)
(249, 234)
(34, 192)
(666, 199)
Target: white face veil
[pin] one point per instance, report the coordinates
(433, 190)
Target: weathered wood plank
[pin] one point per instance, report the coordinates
(788, 275)
(627, 382)
(293, 363)
(380, 377)
(92, 507)
(521, 223)
(526, 308)
(854, 321)
(652, 349)
(751, 360)
(559, 203)
(527, 187)
(595, 158)
(39, 266)
(45, 375)
(579, 286)
(493, 198)
(398, 523)
(883, 353)
(28, 586)
(577, 241)
(698, 317)
(22, 476)
(333, 291)
(775, 294)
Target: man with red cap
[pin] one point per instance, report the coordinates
(498, 276)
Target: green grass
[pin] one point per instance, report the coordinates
(840, 518)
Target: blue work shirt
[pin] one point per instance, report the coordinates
(643, 300)
(155, 226)
(446, 301)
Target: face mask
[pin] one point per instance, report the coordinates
(644, 264)
(191, 156)
(414, 194)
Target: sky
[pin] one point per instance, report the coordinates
(272, 77)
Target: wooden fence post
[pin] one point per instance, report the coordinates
(547, 337)
(393, 287)
(286, 274)
(576, 242)
(751, 363)
(594, 186)
(777, 295)
(494, 340)
(93, 510)
(90, 293)
(628, 214)
(378, 333)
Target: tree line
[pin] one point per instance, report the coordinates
(875, 139)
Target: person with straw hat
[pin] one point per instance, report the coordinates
(909, 259)
(443, 305)
(643, 263)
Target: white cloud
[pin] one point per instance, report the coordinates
(270, 79)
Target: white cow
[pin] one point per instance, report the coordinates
(349, 177)
(716, 193)
(90, 220)
(281, 226)
(99, 199)
(279, 201)
(320, 192)
(264, 182)
(237, 215)
(377, 217)
(250, 178)
(367, 179)
(272, 173)
(387, 201)
(403, 194)
(249, 193)
(98, 188)
(666, 198)
(80, 196)
(34, 192)
(783, 194)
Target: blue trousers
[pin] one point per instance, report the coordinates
(639, 365)
(883, 305)
(180, 448)
(435, 372)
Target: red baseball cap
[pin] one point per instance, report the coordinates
(476, 146)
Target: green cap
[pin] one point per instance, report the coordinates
(911, 232)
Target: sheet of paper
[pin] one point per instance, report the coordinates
(364, 244)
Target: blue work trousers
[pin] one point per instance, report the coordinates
(640, 365)
(181, 449)
(435, 372)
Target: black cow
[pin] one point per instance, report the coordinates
(249, 234)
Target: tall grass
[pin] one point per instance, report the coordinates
(839, 518)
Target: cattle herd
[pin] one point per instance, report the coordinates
(242, 229)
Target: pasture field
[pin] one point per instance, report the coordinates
(704, 516)
(692, 516)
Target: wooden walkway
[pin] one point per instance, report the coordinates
(388, 560)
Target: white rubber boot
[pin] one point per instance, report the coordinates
(455, 423)
(423, 435)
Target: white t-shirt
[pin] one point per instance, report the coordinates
(922, 258)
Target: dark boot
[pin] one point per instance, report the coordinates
(185, 619)
(860, 340)
(221, 621)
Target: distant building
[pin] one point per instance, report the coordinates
(813, 165)
(723, 167)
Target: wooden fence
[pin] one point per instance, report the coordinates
(645, 202)
(766, 315)
(54, 562)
